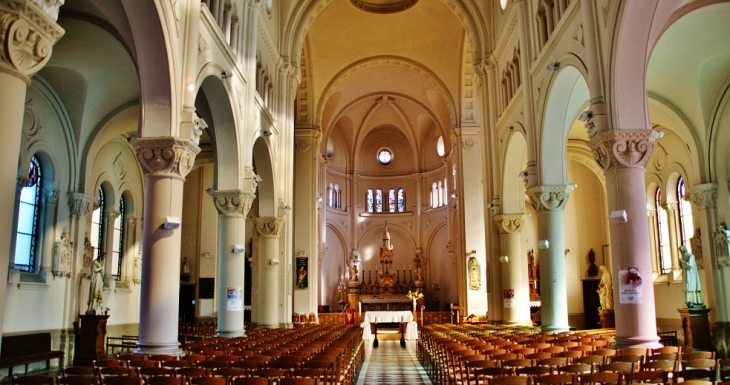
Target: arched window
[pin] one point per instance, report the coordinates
(434, 196)
(378, 201)
(369, 200)
(685, 214)
(391, 200)
(440, 195)
(337, 197)
(401, 200)
(445, 191)
(26, 235)
(664, 254)
(118, 250)
(97, 224)
(330, 196)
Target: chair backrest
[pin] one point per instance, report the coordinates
(190, 372)
(665, 365)
(78, 371)
(723, 366)
(554, 379)
(694, 374)
(698, 355)
(154, 371)
(297, 381)
(618, 367)
(76, 380)
(115, 371)
(270, 373)
(656, 376)
(208, 381)
(34, 380)
(107, 363)
(251, 381)
(699, 363)
(121, 380)
(532, 371)
(600, 378)
(509, 380)
(575, 368)
(163, 380)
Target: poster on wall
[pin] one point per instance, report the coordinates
(630, 289)
(508, 295)
(302, 273)
(235, 299)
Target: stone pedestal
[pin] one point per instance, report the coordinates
(90, 334)
(608, 319)
(696, 328)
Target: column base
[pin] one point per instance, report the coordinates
(267, 326)
(554, 328)
(231, 333)
(172, 349)
(651, 342)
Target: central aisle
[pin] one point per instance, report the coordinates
(391, 364)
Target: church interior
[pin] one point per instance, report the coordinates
(259, 164)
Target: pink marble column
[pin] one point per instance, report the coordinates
(165, 161)
(623, 155)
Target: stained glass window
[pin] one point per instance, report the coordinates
(401, 200)
(391, 200)
(685, 214)
(26, 236)
(97, 224)
(385, 156)
(370, 200)
(664, 254)
(378, 201)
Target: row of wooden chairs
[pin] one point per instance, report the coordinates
(303, 378)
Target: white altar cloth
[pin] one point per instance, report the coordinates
(390, 317)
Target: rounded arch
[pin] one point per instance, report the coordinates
(665, 115)
(263, 167)
(513, 189)
(158, 100)
(673, 172)
(213, 104)
(306, 11)
(653, 183)
(48, 161)
(567, 97)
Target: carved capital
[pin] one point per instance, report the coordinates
(549, 198)
(50, 196)
(27, 35)
(112, 214)
(131, 223)
(80, 205)
(704, 196)
(509, 224)
(22, 181)
(167, 157)
(268, 226)
(232, 202)
(623, 148)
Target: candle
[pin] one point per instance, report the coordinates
(359, 308)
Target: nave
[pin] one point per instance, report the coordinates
(389, 363)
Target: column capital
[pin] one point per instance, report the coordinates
(80, 205)
(112, 214)
(50, 196)
(27, 35)
(232, 202)
(166, 156)
(704, 196)
(549, 198)
(509, 223)
(623, 148)
(131, 222)
(268, 226)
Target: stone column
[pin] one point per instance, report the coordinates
(109, 217)
(549, 202)
(166, 161)
(268, 229)
(623, 155)
(717, 272)
(50, 205)
(232, 206)
(674, 241)
(514, 269)
(130, 250)
(28, 35)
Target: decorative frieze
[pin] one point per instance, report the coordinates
(549, 198)
(623, 148)
(232, 202)
(168, 156)
(268, 226)
(704, 196)
(27, 35)
(509, 224)
(80, 205)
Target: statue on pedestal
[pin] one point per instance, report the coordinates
(96, 274)
(691, 280)
(605, 290)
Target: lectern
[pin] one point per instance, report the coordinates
(89, 345)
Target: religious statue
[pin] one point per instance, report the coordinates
(185, 266)
(96, 273)
(137, 270)
(691, 279)
(419, 272)
(696, 246)
(605, 290)
(88, 253)
(475, 276)
(62, 256)
(353, 271)
(592, 268)
(722, 246)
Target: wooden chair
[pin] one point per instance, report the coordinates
(665, 365)
(96, 364)
(646, 377)
(481, 375)
(593, 361)
(163, 380)
(699, 363)
(723, 366)
(618, 367)
(78, 371)
(76, 380)
(121, 380)
(113, 371)
(554, 379)
(693, 374)
(553, 363)
(533, 371)
(212, 366)
(577, 369)
(142, 364)
(154, 372)
(297, 381)
(190, 372)
(509, 380)
(698, 382)
(162, 357)
(271, 374)
(516, 364)
(697, 355)
(34, 380)
(208, 381)
(538, 356)
(251, 381)
(600, 378)
(571, 355)
(635, 359)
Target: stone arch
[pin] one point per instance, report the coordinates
(329, 270)
(567, 97)
(213, 103)
(513, 189)
(665, 115)
(263, 167)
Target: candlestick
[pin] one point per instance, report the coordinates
(359, 308)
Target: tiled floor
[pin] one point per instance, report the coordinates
(389, 363)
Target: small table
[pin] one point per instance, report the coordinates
(390, 317)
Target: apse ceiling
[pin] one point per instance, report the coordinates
(405, 53)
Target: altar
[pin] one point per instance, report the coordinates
(390, 317)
